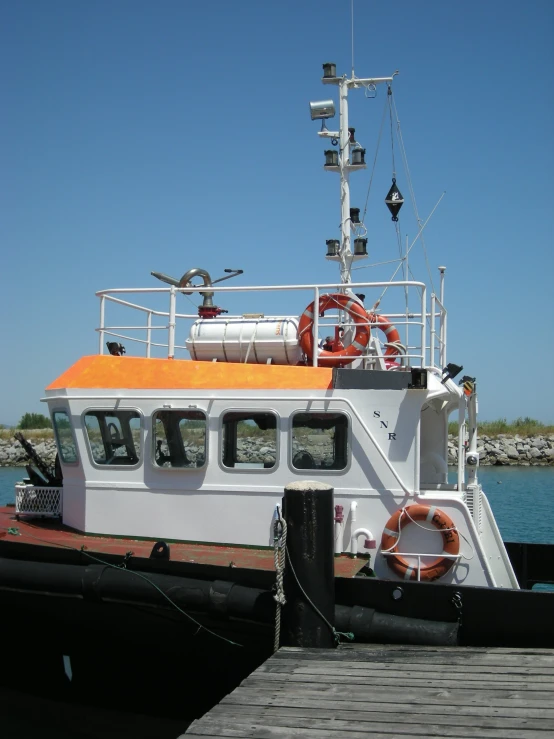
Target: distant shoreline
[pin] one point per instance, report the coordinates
(507, 450)
(503, 450)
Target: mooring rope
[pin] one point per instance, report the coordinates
(279, 549)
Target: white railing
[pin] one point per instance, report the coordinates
(45, 502)
(437, 344)
(420, 556)
(420, 353)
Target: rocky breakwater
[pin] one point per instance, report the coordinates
(524, 451)
(309, 452)
(12, 453)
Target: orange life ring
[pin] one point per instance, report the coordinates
(391, 535)
(344, 355)
(390, 331)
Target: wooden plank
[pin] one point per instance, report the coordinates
(388, 692)
(413, 649)
(367, 669)
(405, 678)
(323, 712)
(434, 658)
(445, 697)
(322, 704)
(283, 727)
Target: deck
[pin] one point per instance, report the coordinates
(382, 692)
(47, 532)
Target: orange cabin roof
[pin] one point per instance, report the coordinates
(140, 373)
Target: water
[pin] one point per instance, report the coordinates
(522, 499)
(8, 477)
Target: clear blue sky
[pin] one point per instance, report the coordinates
(164, 135)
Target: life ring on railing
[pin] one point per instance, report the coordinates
(393, 345)
(340, 355)
(391, 537)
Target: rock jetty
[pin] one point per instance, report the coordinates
(12, 453)
(498, 450)
(523, 451)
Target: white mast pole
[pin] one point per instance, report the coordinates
(345, 251)
(344, 160)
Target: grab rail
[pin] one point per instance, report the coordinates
(421, 352)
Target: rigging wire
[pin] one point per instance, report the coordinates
(389, 100)
(375, 159)
(352, 32)
(377, 264)
(410, 185)
(403, 260)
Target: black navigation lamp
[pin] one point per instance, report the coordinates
(355, 215)
(329, 70)
(331, 158)
(450, 371)
(394, 200)
(333, 246)
(358, 155)
(360, 247)
(115, 349)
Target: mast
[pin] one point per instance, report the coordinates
(344, 163)
(344, 168)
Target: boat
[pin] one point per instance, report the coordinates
(159, 538)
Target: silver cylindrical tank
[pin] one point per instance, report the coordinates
(255, 340)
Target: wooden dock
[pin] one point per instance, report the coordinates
(383, 692)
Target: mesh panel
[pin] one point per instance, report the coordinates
(31, 500)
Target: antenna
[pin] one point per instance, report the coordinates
(352, 27)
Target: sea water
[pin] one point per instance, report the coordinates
(522, 499)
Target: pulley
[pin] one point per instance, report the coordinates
(394, 200)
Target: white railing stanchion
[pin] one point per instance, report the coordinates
(148, 334)
(432, 339)
(171, 326)
(461, 441)
(444, 315)
(101, 332)
(423, 321)
(442, 270)
(315, 327)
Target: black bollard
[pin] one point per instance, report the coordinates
(308, 511)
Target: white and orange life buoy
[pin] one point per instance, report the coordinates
(340, 355)
(393, 346)
(391, 536)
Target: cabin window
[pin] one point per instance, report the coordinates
(319, 441)
(64, 436)
(114, 436)
(249, 440)
(179, 438)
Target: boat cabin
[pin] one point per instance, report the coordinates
(200, 450)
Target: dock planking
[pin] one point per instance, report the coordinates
(384, 691)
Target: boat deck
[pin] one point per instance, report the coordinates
(52, 533)
(380, 691)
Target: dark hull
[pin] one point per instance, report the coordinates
(130, 649)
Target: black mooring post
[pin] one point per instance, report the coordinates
(308, 511)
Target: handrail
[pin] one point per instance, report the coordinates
(419, 318)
